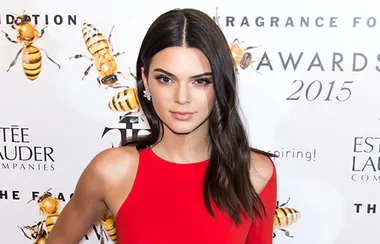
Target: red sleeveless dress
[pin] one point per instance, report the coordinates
(165, 206)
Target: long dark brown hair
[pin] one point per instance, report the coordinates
(227, 178)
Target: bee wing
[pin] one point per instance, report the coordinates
(124, 97)
(41, 226)
(280, 217)
(103, 233)
(284, 220)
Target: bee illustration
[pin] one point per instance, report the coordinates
(27, 34)
(102, 56)
(108, 229)
(49, 207)
(284, 217)
(125, 101)
(37, 233)
(241, 56)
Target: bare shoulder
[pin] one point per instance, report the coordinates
(91, 199)
(114, 164)
(261, 171)
(113, 172)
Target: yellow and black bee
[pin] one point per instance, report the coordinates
(49, 207)
(37, 233)
(107, 225)
(27, 34)
(284, 217)
(125, 101)
(242, 58)
(102, 56)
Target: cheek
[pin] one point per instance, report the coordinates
(211, 98)
(205, 100)
(161, 100)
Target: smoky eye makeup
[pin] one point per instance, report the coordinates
(162, 78)
(204, 81)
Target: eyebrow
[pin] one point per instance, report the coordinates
(172, 75)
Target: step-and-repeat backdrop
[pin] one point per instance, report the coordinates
(311, 95)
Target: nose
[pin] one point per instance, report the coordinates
(182, 95)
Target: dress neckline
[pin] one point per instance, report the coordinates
(190, 164)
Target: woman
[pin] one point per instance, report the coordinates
(194, 179)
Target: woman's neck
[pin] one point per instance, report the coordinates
(184, 148)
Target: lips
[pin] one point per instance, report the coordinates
(181, 112)
(180, 115)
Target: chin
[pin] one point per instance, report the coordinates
(182, 128)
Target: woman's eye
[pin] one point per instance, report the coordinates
(163, 78)
(202, 81)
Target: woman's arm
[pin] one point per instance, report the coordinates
(87, 204)
(265, 178)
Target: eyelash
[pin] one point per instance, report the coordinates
(162, 78)
(201, 81)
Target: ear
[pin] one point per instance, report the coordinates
(145, 80)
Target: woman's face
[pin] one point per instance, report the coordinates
(180, 82)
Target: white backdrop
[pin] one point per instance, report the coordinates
(321, 118)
